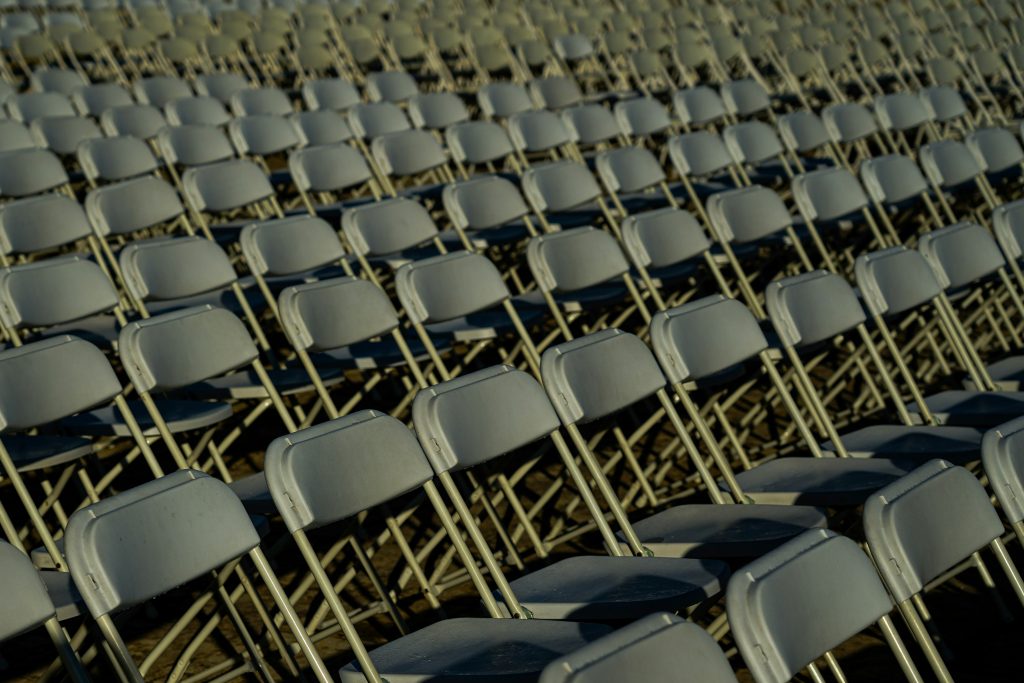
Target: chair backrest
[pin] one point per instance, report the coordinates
(51, 379)
(892, 178)
(94, 99)
(599, 374)
(14, 136)
(263, 134)
(261, 101)
(556, 92)
(826, 579)
(698, 106)
(747, 214)
(629, 169)
(752, 142)
(328, 168)
(133, 205)
(407, 152)
(945, 103)
(699, 154)
(323, 127)
(745, 97)
(810, 308)
(895, 280)
(478, 142)
(202, 110)
(388, 226)
(334, 94)
(949, 163)
(483, 202)
(902, 111)
(159, 90)
(1007, 224)
(997, 149)
(167, 269)
(436, 111)
(702, 338)
(143, 121)
(117, 158)
(43, 222)
(503, 99)
(30, 171)
(803, 131)
(27, 107)
(288, 246)
(559, 186)
(849, 121)
(591, 124)
(331, 314)
(226, 185)
(193, 145)
(184, 347)
(222, 85)
(449, 286)
(480, 416)
(663, 237)
(54, 291)
(538, 131)
(368, 121)
(961, 254)
(390, 86)
(62, 134)
(27, 604)
(828, 194)
(1001, 455)
(572, 260)
(664, 646)
(642, 116)
(155, 537)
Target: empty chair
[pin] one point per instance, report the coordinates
(437, 111)
(665, 646)
(745, 98)
(41, 223)
(390, 86)
(698, 106)
(391, 231)
(221, 86)
(998, 149)
(566, 193)
(202, 110)
(479, 142)
(63, 134)
(411, 154)
(556, 92)
(951, 167)
(30, 171)
(324, 172)
(893, 180)
(262, 135)
(194, 145)
(253, 101)
(324, 127)
(228, 187)
(143, 121)
(628, 173)
(922, 526)
(804, 133)
(901, 112)
(591, 124)
(159, 90)
(487, 209)
(849, 122)
(540, 131)
(945, 103)
(116, 158)
(826, 579)
(14, 136)
(63, 81)
(93, 100)
(110, 544)
(368, 121)
(501, 100)
(334, 94)
(28, 107)
(642, 117)
(1000, 455)
(756, 144)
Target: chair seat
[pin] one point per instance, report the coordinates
(46, 450)
(706, 530)
(959, 445)
(245, 385)
(973, 408)
(603, 588)
(826, 482)
(181, 416)
(471, 650)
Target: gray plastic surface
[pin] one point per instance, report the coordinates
(96, 98)
(809, 308)
(328, 168)
(482, 202)
(698, 105)
(591, 124)
(226, 185)
(792, 605)
(388, 226)
(480, 416)
(1007, 224)
(599, 374)
(14, 136)
(197, 111)
(221, 85)
(159, 90)
(747, 214)
(26, 602)
(334, 94)
(116, 158)
(437, 110)
(848, 122)
(194, 145)
(133, 205)
(663, 237)
(945, 103)
(390, 86)
(150, 539)
(408, 152)
(370, 120)
(43, 222)
(1001, 455)
(997, 148)
(663, 646)
(184, 347)
(803, 131)
(892, 178)
(745, 97)
(28, 107)
(30, 171)
(63, 134)
(502, 99)
(895, 280)
(449, 286)
(949, 163)
(572, 260)
(704, 337)
(263, 134)
(828, 194)
(901, 111)
(261, 101)
(54, 291)
(337, 469)
(642, 116)
(699, 154)
(322, 127)
(556, 92)
(287, 246)
(961, 254)
(927, 522)
(478, 142)
(559, 186)
(331, 314)
(538, 131)
(629, 169)
(752, 142)
(51, 379)
(164, 269)
(141, 120)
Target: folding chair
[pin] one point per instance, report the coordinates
(555, 92)
(486, 211)
(703, 154)
(15, 136)
(746, 99)
(852, 126)
(437, 111)
(63, 81)
(415, 155)
(29, 606)
(481, 143)
(115, 159)
(110, 546)
(567, 194)
(1000, 153)
(999, 456)
(143, 121)
(230, 189)
(333, 94)
(903, 114)
(895, 183)
(93, 100)
(259, 136)
(62, 134)
(201, 110)
(323, 174)
(952, 168)
(27, 107)
(303, 466)
(159, 90)
(321, 127)
(221, 86)
(807, 138)
(40, 224)
(900, 523)
(643, 117)
(502, 99)
(665, 646)
(832, 585)
(592, 125)
(699, 106)
(390, 86)
(541, 134)
(252, 101)
(28, 172)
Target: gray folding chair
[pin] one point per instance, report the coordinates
(746, 98)
(28, 606)
(541, 134)
(333, 94)
(390, 86)
(412, 155)
(851, 125)
(756, 145)
(324, 127)
(481, 143)
(15, 136)
(263, 135)
(27, 107)
(556, 92)
(326, 174)
(225, 190)
(699, 106)
(895, 182)
(202, 110)
(487, 210)
(827, 580)
(501, 100)
(152, 539)
(114, 159)
(222, 86)
(643, 118)
(662, 646)
(62, 134)
(31, 171)
(159, 90)
(269, 100)
(592, 125)
(1000, 456)
(94, 99)
(566, 193)
(1000, 152)
(902, 114)
(952, 168)
(807, 138)
(143, 121)
(368, 121)
(40, 224)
